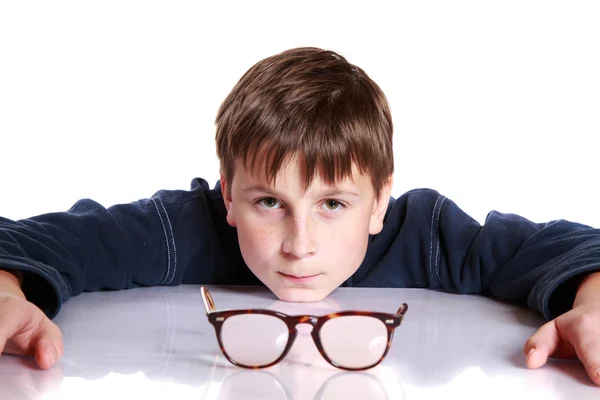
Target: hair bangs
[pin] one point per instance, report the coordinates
(316, 154)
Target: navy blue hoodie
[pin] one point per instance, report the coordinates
(179, 236)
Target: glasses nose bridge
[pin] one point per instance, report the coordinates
(306, 320)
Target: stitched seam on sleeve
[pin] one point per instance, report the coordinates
(172, 240)
(431, 239)
(166, 241)
(437, 230)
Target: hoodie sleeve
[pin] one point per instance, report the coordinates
(89, 247)
(429, 242)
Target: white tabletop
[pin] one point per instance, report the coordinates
(156, 343)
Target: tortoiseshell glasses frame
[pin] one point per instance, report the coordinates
(218, 318)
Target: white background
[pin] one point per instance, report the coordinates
(496, 104)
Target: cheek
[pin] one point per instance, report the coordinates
(354, 247)
(348, 243)
(257, 240)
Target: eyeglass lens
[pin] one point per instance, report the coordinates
(354, 341)
(254, 339)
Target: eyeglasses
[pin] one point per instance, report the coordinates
(260, 338)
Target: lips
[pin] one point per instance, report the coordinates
(299, 278)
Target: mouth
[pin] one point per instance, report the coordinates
(299, 279)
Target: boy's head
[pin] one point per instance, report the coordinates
(305, 145)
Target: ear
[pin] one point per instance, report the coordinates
(380, 208)
(227, 199)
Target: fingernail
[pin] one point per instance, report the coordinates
(531, 351)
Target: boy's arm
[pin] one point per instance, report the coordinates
(90, 247)
(429, 242)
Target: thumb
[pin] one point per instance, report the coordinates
(541, 345)
(48, 345)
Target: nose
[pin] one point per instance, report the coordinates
(300, 238)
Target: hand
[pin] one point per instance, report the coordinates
(24, 328)
(575, 333)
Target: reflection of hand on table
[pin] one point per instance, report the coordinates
(21, 379)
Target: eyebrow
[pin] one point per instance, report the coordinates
(325, 193)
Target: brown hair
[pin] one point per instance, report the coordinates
(312, 103)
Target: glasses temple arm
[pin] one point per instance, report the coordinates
(402, 310)
(209, 304)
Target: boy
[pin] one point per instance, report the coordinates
(303, 206)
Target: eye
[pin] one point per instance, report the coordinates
(333, 205)
(268, 202)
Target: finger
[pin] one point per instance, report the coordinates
(48, 346)
(541, 345)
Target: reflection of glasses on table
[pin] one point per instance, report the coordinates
(259, 338)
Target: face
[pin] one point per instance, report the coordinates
(303, 244)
